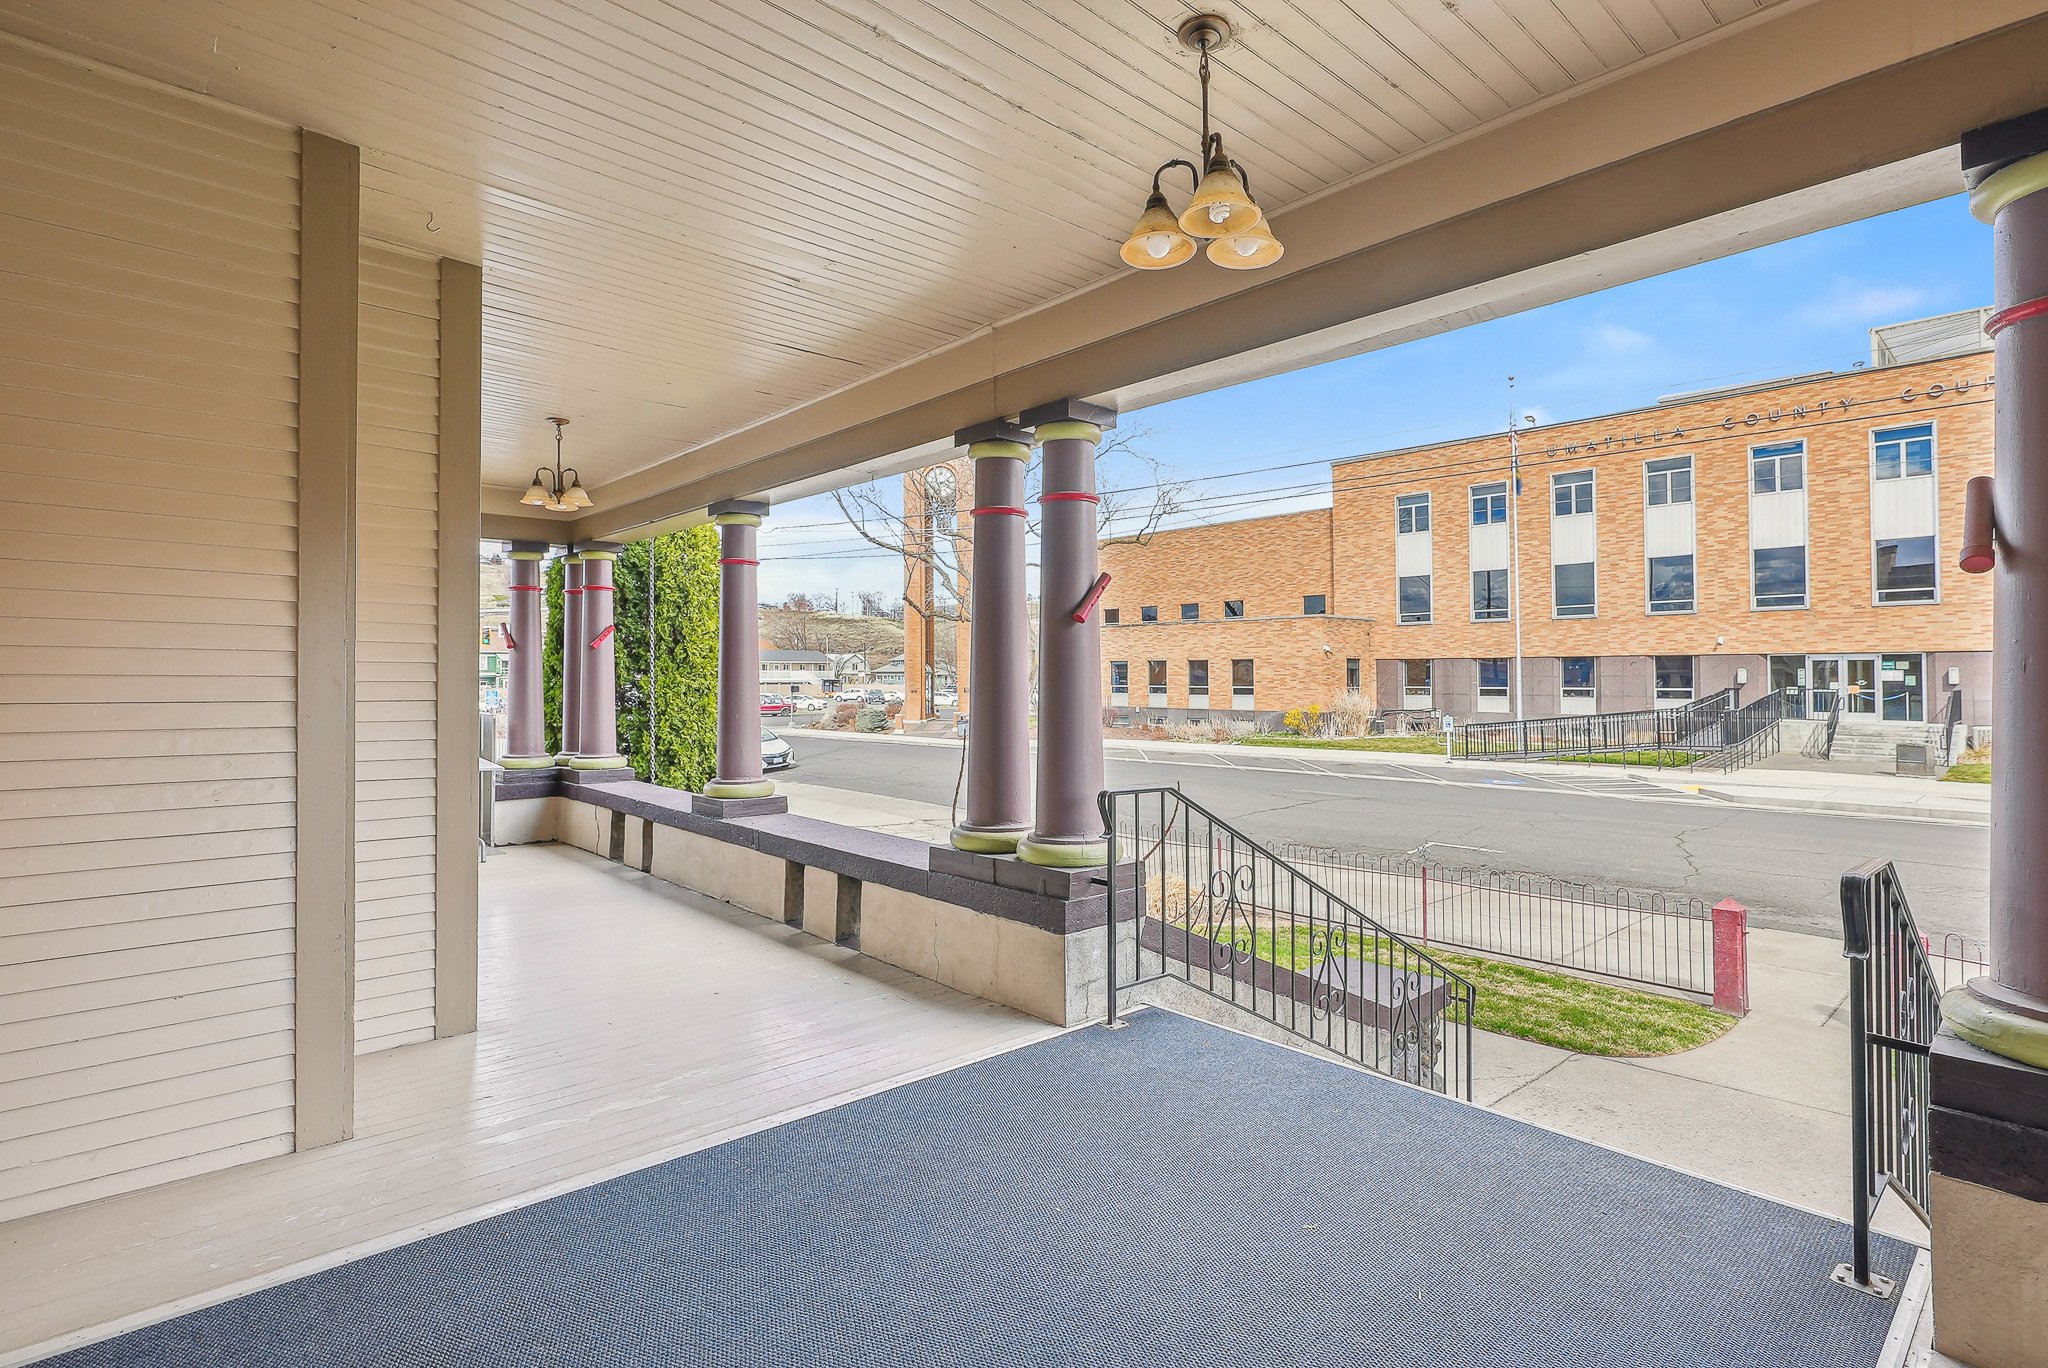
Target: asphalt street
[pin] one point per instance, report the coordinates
(1785, 866)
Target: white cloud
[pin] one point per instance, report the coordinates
(1613, 337)
(1861, 304)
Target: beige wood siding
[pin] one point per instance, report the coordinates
(397, 575)
(148, 444)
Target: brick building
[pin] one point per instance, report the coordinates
(1798, 535)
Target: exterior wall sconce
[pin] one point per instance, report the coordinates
(1221, 211)
(550, 489)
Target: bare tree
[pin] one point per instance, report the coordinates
(1138, 495)
(874, 603)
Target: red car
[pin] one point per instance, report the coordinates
(774, 705)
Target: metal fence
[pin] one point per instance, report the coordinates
(1659, 733)
(1660, 940)
(1955, 959)
(1199, 903)
(1745, 735)
(1894, 1010)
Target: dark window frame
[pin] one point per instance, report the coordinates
(1561, 609)
(1315, 605)
(1490, 612)
(1402, 612)
(1149, 613)
(1233, 608)
(1689, 603)
(1778, 599)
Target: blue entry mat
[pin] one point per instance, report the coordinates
(1166, 1194)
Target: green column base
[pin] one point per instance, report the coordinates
(724, 788)
(986, 842)
(1064, 854)
(599, 762)
(527, 761)
(1999, 1029)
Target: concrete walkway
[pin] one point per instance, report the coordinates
(1765, 1107)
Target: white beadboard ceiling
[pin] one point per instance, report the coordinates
(692, 218)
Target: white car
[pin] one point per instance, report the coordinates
(893, 696)
(776, 753)
(945, 698)
(808, 703)
(849, 695)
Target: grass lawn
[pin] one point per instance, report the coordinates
(1403, 745)
(1968, 773)
(1543, 1005)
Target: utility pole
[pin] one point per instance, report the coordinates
(1515, 538)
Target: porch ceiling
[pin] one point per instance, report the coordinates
(692, 224)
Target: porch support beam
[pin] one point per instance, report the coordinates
(525, 718)
(572, 657)
(597, 710)
(739, 651)
(999, 689)
(1067, 828)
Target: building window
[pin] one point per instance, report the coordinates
(1777, 469)
(1489, 503)
(1668, 481)
(1493, 678)
(1191, 612)
(1155, 682)
(1903, 452)
(1111, 616)
(1198, 681)
(1780, 576)
(1489, 595)
(1674, 679)
(1671, 584)
(1314, 605)
(1233, 608)
(1351, 672)
(1578, 676)
(1572, 589)
(1241, 683)
(1415, 681)
(1149, 613)
(1571, 492)
(1411, 513)
(1414, 592)
(1905, 570)
(1119, 677)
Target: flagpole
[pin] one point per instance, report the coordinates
(1515, 538)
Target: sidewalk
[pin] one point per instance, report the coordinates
(1765, 1107)
(1870, 795)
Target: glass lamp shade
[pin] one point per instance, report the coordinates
(536, 495)
(1247, 251)
(1157, 242)
(573, 496)
(1221, 206)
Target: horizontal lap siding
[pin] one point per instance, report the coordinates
(148, 440)
(399, 443)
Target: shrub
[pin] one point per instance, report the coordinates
(1304, 721)
(870, 718)
(1349, 716)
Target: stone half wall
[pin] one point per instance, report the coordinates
(1037, 948)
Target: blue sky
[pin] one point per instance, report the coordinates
(1793, 307)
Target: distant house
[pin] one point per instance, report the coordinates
(797, 672)
(890, 675)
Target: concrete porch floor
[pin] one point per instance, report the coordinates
(624, 1021)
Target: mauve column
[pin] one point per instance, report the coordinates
(526, 732)
(597, 716)
(999, 698)
(572, 656)
(1067, 831)
(739, 651)
(2007, 1013)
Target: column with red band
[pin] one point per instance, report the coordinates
(572, 656)
(597, 730)
(738, 772)
(996, 793)
(525, 725)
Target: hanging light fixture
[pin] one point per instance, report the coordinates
(1222, 210)
(558, 491)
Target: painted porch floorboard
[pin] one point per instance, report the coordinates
(623, 1021)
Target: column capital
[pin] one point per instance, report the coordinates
(529, 550)
(1068, 411)
(994, 430)
(728, 511)
(2005, 161)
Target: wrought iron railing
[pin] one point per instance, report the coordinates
(1747, 735)
(1833, 723)
(1660, 940)
(1951, 723)
(1199, 903)
(1658, 734)
(1894, 1010)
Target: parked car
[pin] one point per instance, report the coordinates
(807, 703)
(776, 753)
(774, 705)
(876, 696)
(849, 696)
(893, 696)
(945, 698)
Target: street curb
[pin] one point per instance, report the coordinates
(1896, 810)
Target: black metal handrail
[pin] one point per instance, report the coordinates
(1951, 719)
(1657, 732)
(1832, 725)
(1197, 901)
(1894, 1010)
(1747, 735)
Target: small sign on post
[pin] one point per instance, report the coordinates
(1450, 729)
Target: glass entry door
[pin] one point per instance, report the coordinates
(1900, 685)
(1851, 679)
